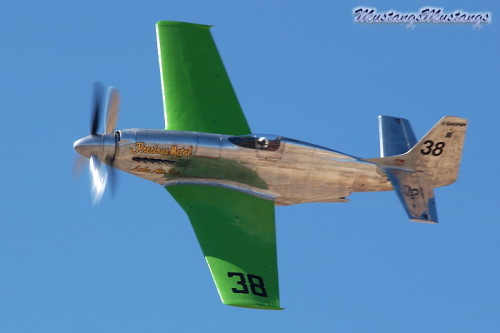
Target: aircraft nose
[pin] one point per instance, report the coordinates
(89, 145)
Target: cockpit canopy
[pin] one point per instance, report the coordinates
(257, 141)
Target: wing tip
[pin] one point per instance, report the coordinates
(255, 306)
(180, 24)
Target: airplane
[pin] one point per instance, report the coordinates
(228, 180)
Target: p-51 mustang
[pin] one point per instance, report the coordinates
(229, 180)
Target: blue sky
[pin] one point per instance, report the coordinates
(302, 69)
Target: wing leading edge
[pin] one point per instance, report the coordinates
(237, 235)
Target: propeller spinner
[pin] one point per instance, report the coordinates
(100, 148)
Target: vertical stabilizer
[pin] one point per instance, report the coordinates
(439, 152)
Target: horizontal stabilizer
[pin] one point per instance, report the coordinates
(415, 191)
(396, 136)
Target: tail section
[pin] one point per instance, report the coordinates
(432, 162)
(439, 152)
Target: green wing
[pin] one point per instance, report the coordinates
(197, 93)
(237, 235)
(236, 231)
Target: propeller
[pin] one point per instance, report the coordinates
(100, 148)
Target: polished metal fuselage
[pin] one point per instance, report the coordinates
(275, 168)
